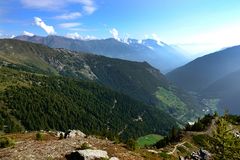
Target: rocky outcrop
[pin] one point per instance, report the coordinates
(199, 155)
(89, 154)
(74, 133)
(69, 134)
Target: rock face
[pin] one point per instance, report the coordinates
(87, 154)
(200, 155)
(74, 133)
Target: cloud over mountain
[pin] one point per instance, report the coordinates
(28, 33)
(49, 29)
(78, 36)
(115, 34)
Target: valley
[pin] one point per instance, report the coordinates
(213, 77)
(119, 80)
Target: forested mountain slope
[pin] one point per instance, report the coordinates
(35, 102)
(139, 80)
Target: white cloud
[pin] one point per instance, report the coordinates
(115, 34)
(88, 5)
(89, 9)
(78, 36)
(49, 29)
(157, 38)
(72, 15)
(44, 4)
(125, 39)
(207, 42)
(3, 36)
(28, 33)
(70, 25)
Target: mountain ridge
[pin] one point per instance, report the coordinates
(214, 77)
(162, 57)
(139, 80)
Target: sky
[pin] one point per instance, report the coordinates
(196, 26)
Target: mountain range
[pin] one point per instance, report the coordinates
(158, 54)
(214, 77)
(138, 80)
(44, 88)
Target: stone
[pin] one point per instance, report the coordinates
(87, 154)
(74, 133)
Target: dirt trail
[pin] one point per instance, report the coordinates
(175, 147)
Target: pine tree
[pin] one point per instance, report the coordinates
(223, 144)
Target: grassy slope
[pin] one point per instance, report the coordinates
(171, 102)
(25, 54)
(148, 140)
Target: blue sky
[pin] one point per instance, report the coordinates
(195, 25)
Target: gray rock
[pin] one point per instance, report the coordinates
(87, 154)
(74, 133)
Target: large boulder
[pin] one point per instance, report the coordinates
(87, 154)
(74, 133)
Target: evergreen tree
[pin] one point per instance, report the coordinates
(223, 143)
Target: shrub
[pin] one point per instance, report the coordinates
(39, 136)
(85, 146)
(61, 136)
(182, 149)
(131, 144)
(6, 142)
(201, 140)
(164, 155)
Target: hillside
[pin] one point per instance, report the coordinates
(227, 91)
(206, 143)
(35, 102)
(161, 56)
(202, 72)
(53, 148)
(214, 78)
(139, 80)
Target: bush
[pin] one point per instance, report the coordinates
(39, 136)
(131, 144)
(164, 155)
(6, 142)
(201, 124)
(182, 149)
(85, 146)
(61, 136)
(201, 140)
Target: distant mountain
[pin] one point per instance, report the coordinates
(138, 80)
(227, 90)
(215, 77)
(161, 56)
(202, 72)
